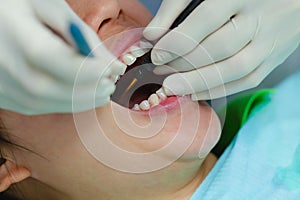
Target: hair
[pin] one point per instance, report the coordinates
(4, 142)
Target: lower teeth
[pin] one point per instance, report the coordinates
(152, 101)
(145, 105)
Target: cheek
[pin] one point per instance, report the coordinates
(140, 14)
(43, 134)
(54, 143)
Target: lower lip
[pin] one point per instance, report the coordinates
(171, 103)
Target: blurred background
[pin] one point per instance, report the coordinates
(290, 66)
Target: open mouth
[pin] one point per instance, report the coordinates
(139, 88)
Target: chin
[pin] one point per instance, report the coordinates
(193, 129)
(180, 129)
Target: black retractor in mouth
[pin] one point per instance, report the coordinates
(138, 83)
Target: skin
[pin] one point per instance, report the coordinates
(62, 168)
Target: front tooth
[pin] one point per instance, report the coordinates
(146, 45)
(145, 105)
(137, 51)
(128, 59)
(153, 100)
(136, 107)
(161, 93)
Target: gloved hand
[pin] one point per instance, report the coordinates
(39, 64)
(235, 44)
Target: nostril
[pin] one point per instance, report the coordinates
(106, 21)
(103, 23)
(2, 161)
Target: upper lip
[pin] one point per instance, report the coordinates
(120, 42)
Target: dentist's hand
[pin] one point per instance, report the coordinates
(234, 43)
(39, 65)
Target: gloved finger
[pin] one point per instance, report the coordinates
(50, 96)
(203, 21)
(24, 102)
(166, 15)
(83, 101)
(38, 84)
(231, 69)
(67, 64)
(66, 68)
(252, 80)
(222, 44)
(62, 22)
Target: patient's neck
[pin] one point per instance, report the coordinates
(178, 181)
(192, 184)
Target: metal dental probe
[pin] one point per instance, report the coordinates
(128, 84)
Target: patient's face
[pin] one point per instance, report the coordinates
(92, 147)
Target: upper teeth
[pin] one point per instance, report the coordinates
(136, 51)
(146, 45)
(114, 78)
(128, 59)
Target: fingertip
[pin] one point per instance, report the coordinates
(174, 85)
(160, 57)
(118, 68)
(206, 95)
(194, 97)
(154, 32)
(167, 90)
(106, 88)
(199, 97)
(103, 94)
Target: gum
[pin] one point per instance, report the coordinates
(166, 105)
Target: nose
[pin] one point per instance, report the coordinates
(97, 12)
